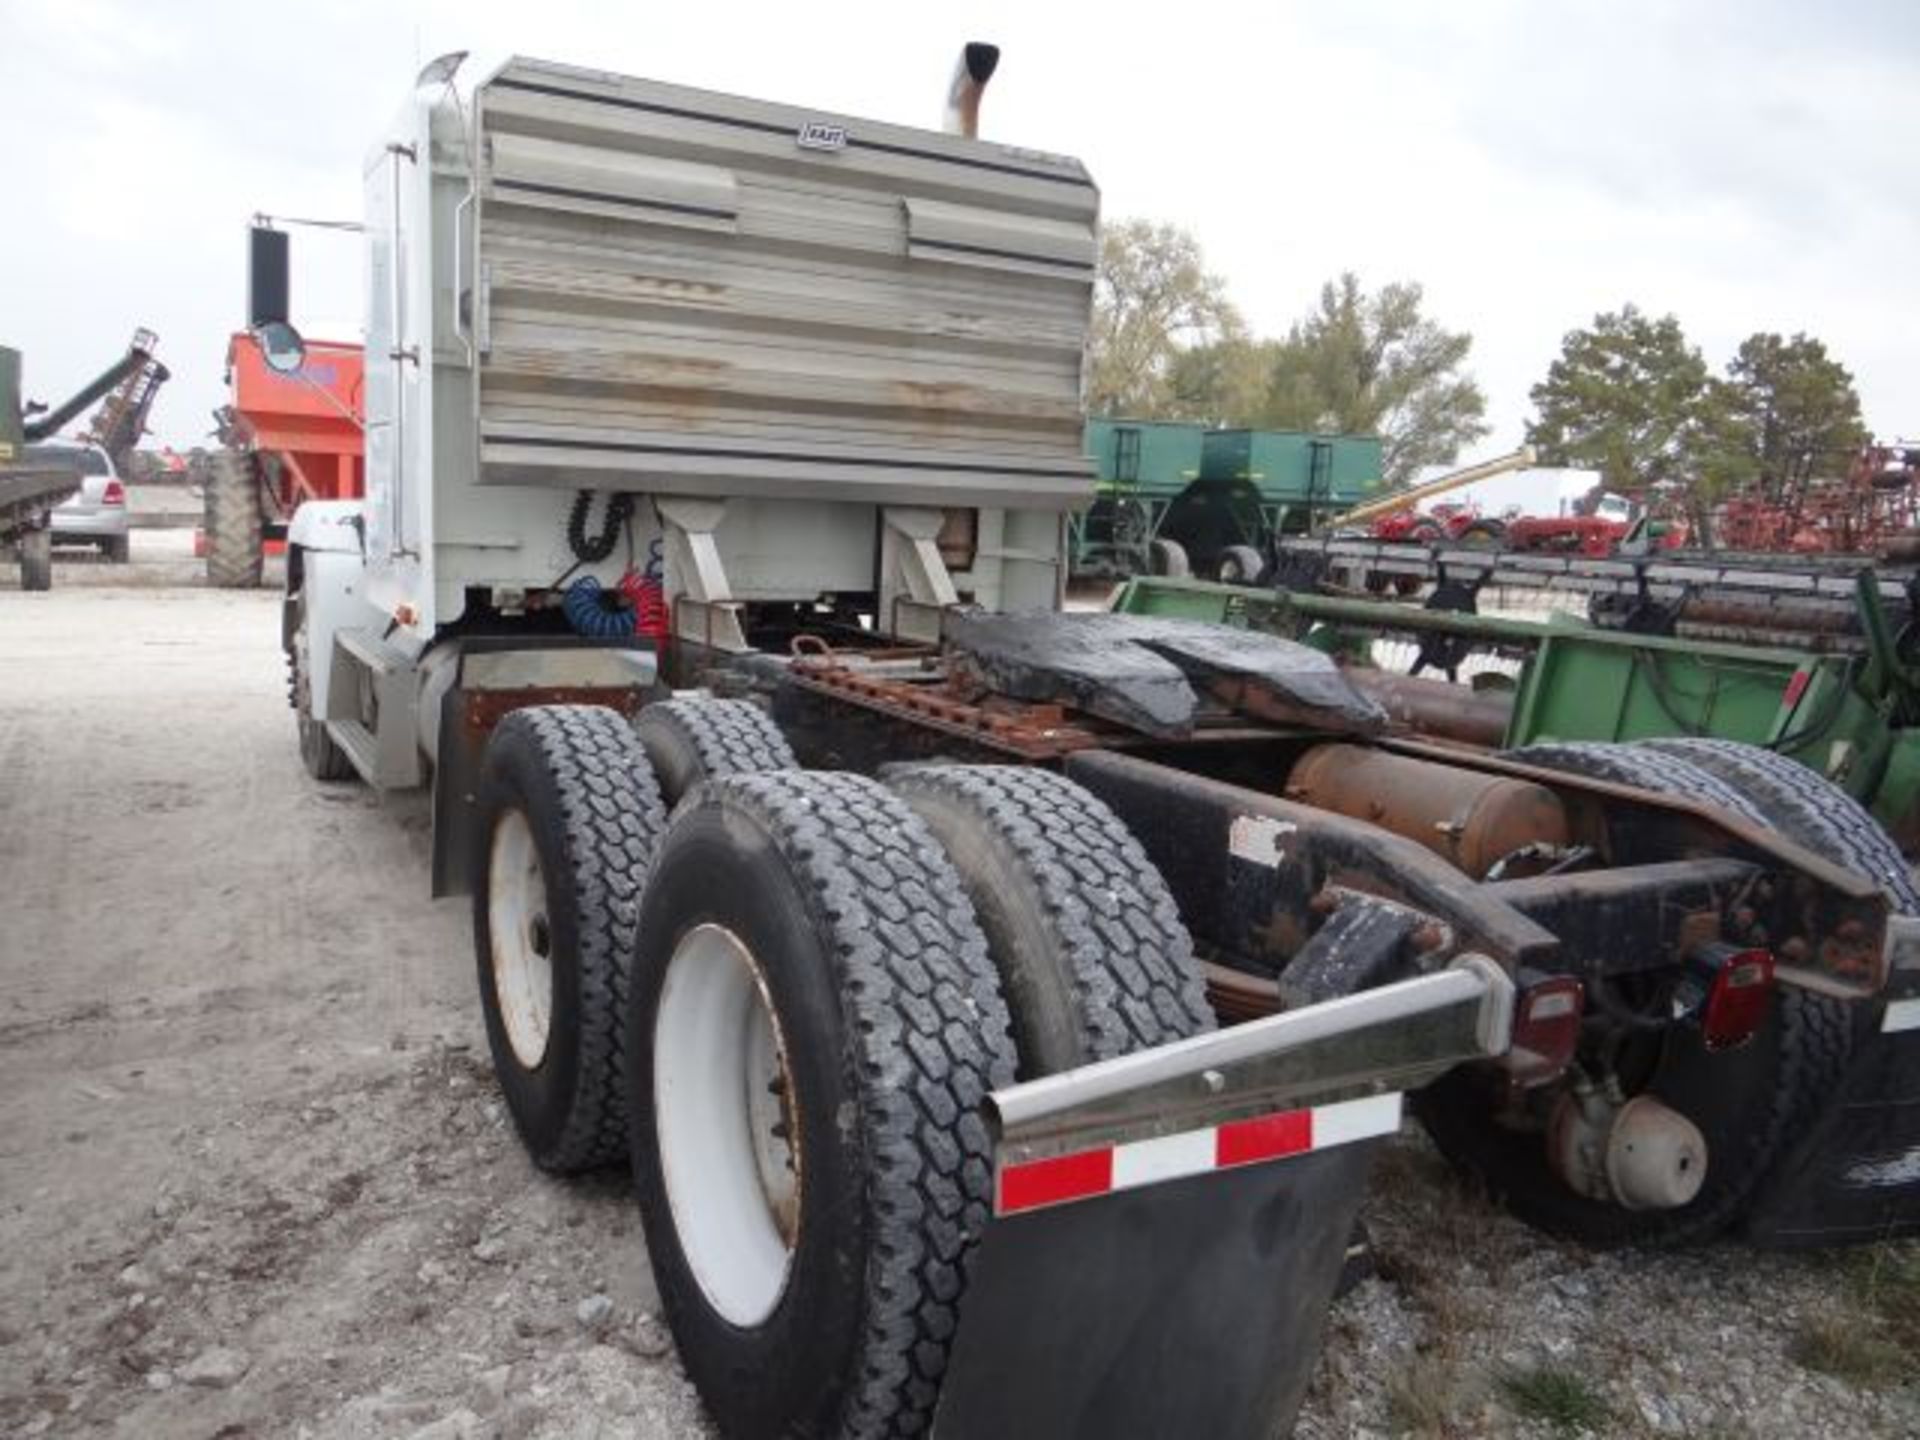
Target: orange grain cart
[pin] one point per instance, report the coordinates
(286, 439)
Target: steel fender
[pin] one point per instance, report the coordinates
(327, 525)
(333, 591)
(1168, 1227)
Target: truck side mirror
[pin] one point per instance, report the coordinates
(280, 346)
(267, 277)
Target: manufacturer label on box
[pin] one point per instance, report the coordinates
(819, 135)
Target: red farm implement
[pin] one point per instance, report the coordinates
(285, 439)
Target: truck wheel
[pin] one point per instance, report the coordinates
(1746, 1102)
(569, 820)
(36, 560)
(1241, 565)
(232, 521)
(1092, 956)
(688, 741)
(814, 1025)
(324, 759)
(1812, 811)
(1168, 558)
(1806, 808)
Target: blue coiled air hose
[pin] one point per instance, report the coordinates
(597, 612)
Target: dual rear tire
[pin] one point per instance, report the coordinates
(811, 1004)
(1751, 1104)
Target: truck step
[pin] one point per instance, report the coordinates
(360, 747)
(378, 655)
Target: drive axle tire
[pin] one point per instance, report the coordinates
(1747, 1102)
(1806, 808)
(1088, 943)
(233, 522)
(569, 819)
(1812, 811)
(814, 1025)
(691, 740)
(1639, 766)
(36, 560)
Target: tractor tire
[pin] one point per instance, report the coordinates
(569, 818)
(1241, 565)
(1484, 535)
(814, 1025)
(233, 522)
(1092, 957)
(688, 741)
(36, 560)
(118, 549)
(1747, 1102)
(323, 758)
(1168, 558)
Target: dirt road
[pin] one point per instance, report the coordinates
(253, 1177)
(254, 1180)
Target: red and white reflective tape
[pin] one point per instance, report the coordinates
(1083, 1174)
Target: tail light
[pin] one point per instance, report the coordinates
(1546, 1027)
(114, 494)
(1727, 992)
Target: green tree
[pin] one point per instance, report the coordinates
(1154, 298)
(1626, 397)
(1223, 383)
(1375, 365)
(1791, 414)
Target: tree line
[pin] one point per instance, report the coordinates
(1628, 395)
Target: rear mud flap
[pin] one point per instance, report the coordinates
(1169, 1227)
(1193, 1307)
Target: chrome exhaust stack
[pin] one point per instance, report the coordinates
(970, 76)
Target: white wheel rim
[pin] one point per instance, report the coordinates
(726, 1121)
(522, 937)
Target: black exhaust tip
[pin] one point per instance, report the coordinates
(982, 60)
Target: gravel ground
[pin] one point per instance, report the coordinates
(254, 1179)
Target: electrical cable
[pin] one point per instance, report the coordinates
(593, 551)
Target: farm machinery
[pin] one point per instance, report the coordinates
(1820, 672)
(999, 1007)
(287, 436)
(1184, 499)
(1874, 501)
(30, 489)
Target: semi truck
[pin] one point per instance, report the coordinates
(998, 1025)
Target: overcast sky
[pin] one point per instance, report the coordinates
(1746, 165)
